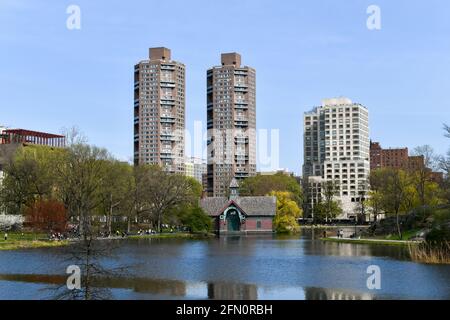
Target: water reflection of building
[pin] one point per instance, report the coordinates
(332, 294)
(232, 291)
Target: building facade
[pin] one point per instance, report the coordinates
(159, 111)
(195, 168)
(399, 158)
(231, 124)
(336, 148)
(237, 215)
(391, 158)
(23, 136)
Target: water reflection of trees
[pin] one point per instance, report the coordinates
(333, 294)
(140, 285)
(317, 247)
(232, 291)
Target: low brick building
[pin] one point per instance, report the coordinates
(240, 215)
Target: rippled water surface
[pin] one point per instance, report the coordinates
(252, 267)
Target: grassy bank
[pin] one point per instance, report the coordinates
(180, 235)
(27, 241)
(372, 241)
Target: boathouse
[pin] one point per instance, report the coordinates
(240, 215)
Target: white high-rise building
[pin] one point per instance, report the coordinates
(337, 148)
(195, 168)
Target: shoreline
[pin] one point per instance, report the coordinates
(332, 226)
(371, 241)
(181, 235)
(32, 244)
(18, 244)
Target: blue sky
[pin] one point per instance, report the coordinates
(303, 51)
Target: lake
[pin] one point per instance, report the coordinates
(234, 267)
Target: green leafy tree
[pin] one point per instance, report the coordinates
(160, 193)
(29, 176)
(81, 178)
(287, 214)
(396, 192)
(262, 185)
(114, 189)
(196, 219)
(328, 208)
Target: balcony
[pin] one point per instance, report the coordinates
(240, 102)
(166, 154)
(240, 89)
(240, 107)
(136, 85)
(241, 121)
(168, 100)
(167, 67)
(241, 140)
(167, 118)
(167, 84)
(136, 120)
(241, 174)
(167, 136)
(240, 157)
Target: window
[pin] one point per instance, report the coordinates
(258, 224)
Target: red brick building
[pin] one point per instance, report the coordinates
(240, 215)
(399, 158)
(387, 158)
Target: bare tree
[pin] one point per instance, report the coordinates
(163, 192)
(447, 130)
(74, 136)
(81, 183)
(422, 175)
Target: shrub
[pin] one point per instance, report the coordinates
(196, 220)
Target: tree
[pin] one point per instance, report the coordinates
(287, 214)
(374, 203)
(444, 165)
(30, 176)
(163, 192)
(262, 185)
(47, 215)
(328, 208)
(395, 193)
(447, 130)
(196, 219)
(421, 177)
(80, 179)
(114, 188)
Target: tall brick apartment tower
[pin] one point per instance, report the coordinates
(159, 111)
(231, 123)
